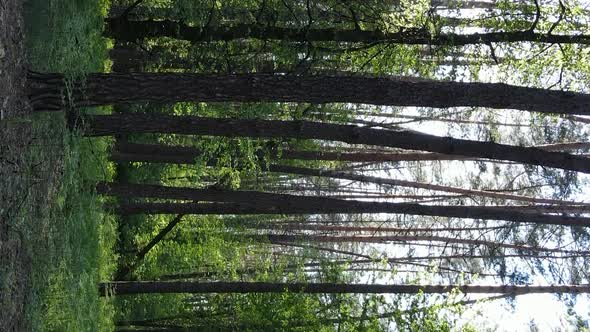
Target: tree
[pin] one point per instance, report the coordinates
(415, 184)
(252, 202)
(133, 123)
(159, 153)
(46, 91)
(123, 29)
(288, 238)
(143, 287)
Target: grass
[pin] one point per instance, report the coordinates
(65, 233)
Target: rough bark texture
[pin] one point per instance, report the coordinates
(252, 202)
(46, 92)
(115, 88)
(143, 287)
(139, 123)
(122, 29)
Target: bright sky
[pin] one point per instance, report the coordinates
(545, 310)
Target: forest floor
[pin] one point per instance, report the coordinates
(55, 240)
(14, 135)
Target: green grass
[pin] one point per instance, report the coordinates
(68, 237)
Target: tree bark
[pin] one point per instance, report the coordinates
(115, 88)
(415, 184)
(289, 238)
(172, 154)
(159, 153)
(132, 31)
(151, 287)
(368, 156)
(104, 125)
(252, 202)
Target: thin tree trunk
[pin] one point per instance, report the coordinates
(103, 125)
(408, 156)
(47, 90)
(161, 287)
(395, 260)
(415, 184)
(359, 207)
(368, 156)
(302, 226)
(125, 270)
(158, 153)
(252, 202)
(287, 238)
(125, 30)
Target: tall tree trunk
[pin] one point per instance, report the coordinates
(415, 184)
(321, 227)
(151, 287)
(288, 238)
(368, 156)
(136, 123)
(173, 154)
(252, 202)
(395, 260)
(126, 30)
(159, 153)
(407, 156)
(47, 90)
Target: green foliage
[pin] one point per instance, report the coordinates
(214, 248)
(421, 315)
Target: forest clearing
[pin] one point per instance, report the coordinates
(294, 165)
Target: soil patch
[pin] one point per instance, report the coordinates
(15, 136)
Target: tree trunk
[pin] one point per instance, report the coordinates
(173, 154)
(351, 207)
(126, 30)
(368, 156)
(159, 153)
(282, 238)
(252, 202)
(103, 125)
(46, 91)
(331, 228)
(415, 184)
(125, 270)
(151, 287)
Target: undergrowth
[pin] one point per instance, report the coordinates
(65, 232)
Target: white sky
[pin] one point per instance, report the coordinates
(545, 310)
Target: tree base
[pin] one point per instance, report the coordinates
(46, 92)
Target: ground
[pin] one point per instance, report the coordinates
(54, 237)
(14, 136)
